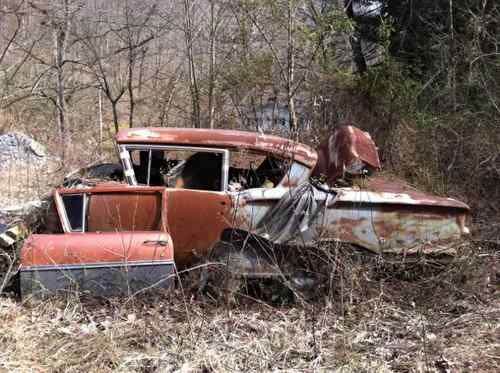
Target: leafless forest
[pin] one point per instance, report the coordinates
(423, 77)
(82, 67)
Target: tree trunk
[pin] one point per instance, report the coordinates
(291, 69)
(211, 104)
(60, 35)
(131, 56)
(115, 115)
(99, 99)
(168, 97)
(59, 57)
(193, 84)
(130, 87)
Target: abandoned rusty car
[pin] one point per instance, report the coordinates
(185, 195)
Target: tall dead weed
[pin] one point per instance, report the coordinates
(415, 317)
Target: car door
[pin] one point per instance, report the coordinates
(196, 213)
(105, 249)
(196, 220)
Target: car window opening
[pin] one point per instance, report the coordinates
(202, 170)
(74, 206)
(187, 169)
(249, 170)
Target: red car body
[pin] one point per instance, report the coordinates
(116, 228)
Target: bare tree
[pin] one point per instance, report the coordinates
(167, 96)
(136, 43)
(114, 69)
(290, 76)
(7, 15)
(61, 31)
(58, 18)
(15, 13)
(211, 104)
(193, 81)
(280, 36)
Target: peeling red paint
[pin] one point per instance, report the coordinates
(230, 139)
(380, 214)
(78, 248)
(346, 147)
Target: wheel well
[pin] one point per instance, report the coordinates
(244, 238)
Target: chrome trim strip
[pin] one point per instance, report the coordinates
(141, 263)
(84, 212)
(150, 155)
(61, 209)
(225, 170)
(128, 170)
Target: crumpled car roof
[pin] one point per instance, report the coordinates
(231, 139)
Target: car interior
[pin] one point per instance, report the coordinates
(199, 170)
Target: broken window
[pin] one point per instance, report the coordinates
(254, 170)
(195, 170)
(177, 167)
(149, 166)
(203, 168)
(75, 206)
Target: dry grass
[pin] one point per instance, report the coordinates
(455, 160)
(370, 320)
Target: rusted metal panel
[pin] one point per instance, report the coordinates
(347, 149)
(124, 212)
(112, 207)
(100, 263)
(394, 190)
(78, 248)
(375, 221)
(250, 206)
(229, 139)
(195, 221)
(194, 218)
(381, 228)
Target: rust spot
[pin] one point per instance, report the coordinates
(91, 248)
(195, 221)
(347, 148)
(382, 184)
(229, 139)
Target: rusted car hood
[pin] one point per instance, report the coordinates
(391, 190)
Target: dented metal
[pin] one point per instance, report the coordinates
(183, 225)
(229, 139)
(111, 263)
(347, 149)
